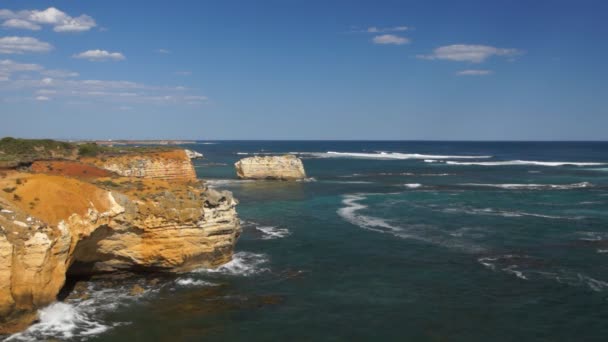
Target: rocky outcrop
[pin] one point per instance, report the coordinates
(167, 165)
(193, 154)
(53, 226)
(287, 167)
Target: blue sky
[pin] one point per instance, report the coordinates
(441, 70)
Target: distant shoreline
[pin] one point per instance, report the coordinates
(139, 142)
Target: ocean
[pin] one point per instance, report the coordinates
(398, 241)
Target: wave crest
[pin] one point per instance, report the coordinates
(522, 162)
(242, 264)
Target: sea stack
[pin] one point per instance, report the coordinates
(287, 167)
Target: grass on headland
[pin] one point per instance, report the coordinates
(14, 152)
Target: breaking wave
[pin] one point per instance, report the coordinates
(348, 182)
(271, 232)
(522, 162)
(61, 320)
(214, 183)
(193, 282)
(419, 232)
(533, 186)
(307, 180)
(79, 318)
(504, 213)
(412, 185)
(242, 264)
(529, 268)
(388, 155)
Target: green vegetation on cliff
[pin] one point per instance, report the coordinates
(15, 152)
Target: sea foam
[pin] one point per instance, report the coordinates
(524, 162)
(420, 232)
(391, 155)
(242, 264)
(270, 232)
(533, 186)
(80, 318)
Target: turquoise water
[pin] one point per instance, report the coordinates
(508, 244)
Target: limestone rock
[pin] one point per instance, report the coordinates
(167, 165)
(287, 167)
(193, 154)
(52, 226)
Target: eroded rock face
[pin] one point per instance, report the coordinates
(193, 154)
(167, 165)
(287, 167)
(52, 226)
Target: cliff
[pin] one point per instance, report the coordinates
(168, 165)
(287, 167)
(65, 218)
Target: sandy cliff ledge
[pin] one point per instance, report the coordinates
(155, 217)
(287, 167)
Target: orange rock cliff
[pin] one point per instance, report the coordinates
(133, 212)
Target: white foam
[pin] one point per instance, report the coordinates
(242, 264)
(193, 282)
(501, 212)
(271, 232)
(214, 183)
(307, 180)
(260, 153)
(349, 182)
(523, 162)
(593, 236)
(533, 186)
(350, 214)
(525, 267)
(420, 232)
(392, 155)
(60, 320)
(79, 318)
(580, 279)
(412, 185)
(513, 269)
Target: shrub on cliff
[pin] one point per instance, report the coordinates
(24, 150)
(89, 150)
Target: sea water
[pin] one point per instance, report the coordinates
(402, 241)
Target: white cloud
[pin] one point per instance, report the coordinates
(100, 55)
(469, 53)
(79, 24)
(390, 39)
(60, 73)
(374, 29)
(196, 98)
(46, 92)
(474, 72)
(165, 51)
(61, 22)
(21, 24)
(8, 66)
(19, 45)
(61, 85)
